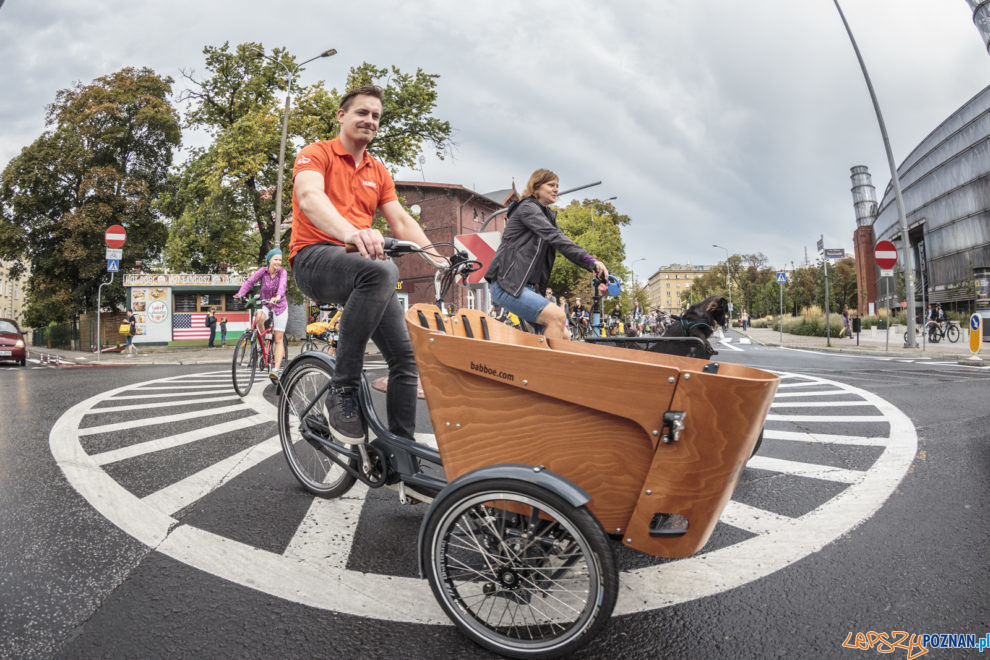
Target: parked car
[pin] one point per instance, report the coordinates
(13, 348)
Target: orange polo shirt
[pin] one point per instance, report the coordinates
(356, 192)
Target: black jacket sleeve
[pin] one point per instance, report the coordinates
(532, 216)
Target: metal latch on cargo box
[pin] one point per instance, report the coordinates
(673, 424)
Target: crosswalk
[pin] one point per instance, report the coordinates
(148, 454)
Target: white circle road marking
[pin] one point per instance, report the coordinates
(313, 572)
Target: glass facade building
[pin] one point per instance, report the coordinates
(945, 183)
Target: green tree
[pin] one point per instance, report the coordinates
(595, 226)
(842, 284)
(103, 159)
(804, 287)
(227, 188)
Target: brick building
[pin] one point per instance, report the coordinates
(446, 210)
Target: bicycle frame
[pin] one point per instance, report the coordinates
(399, 453)
(266, 340)
(400, 456)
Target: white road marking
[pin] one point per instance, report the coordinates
(753, 519)
(806, 383)
(326, 533)
(142, 448)
(823, 418)
(206, 375)
(784, 395)
(809, 470)
(839, 355)
(166, 419)
(726, 344)
(819, 404)
(779, 542)
(168, 394)
(372, 364)
(182, 493)
(162, 404)
(175, 387)
(825, 438)
(428, 439)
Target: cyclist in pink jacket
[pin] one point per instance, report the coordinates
(274, 280)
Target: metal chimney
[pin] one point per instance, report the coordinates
(864, 194)
(981, 19)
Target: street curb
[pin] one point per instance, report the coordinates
(871, 352)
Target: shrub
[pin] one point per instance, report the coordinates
(811, 327)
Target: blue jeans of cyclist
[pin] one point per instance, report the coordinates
(527, 305)
(328, 274)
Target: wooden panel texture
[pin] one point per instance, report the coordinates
(588, 412)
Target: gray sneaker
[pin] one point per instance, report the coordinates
(344, 411)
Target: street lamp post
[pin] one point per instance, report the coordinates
(633, 269)
(728, 282)
(289, 77)
(895, 180)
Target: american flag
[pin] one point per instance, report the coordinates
(190, 326)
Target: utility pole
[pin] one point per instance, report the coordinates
(895, 180)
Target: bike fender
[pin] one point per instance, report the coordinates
(309, 354)
(565, 488)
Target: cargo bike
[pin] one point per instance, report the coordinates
(534, 470)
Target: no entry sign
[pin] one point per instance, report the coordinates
(115, 236)
(885, 254)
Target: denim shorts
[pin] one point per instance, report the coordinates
(527, 305)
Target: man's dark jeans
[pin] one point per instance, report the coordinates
(328, 274)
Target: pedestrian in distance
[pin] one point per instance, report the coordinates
(845, 323)
(338, 188)
(131, 350)
(223, 332)
(522, 263)
(211, 322)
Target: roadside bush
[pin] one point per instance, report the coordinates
(811, 327)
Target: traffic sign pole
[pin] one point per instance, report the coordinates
(781, 278)
(115, 237)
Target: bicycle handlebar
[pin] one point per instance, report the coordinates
(256, 301)
(460, 264)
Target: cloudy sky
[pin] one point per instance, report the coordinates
(733, 122)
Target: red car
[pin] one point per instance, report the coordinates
(12, 345)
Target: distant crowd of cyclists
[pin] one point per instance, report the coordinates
(636, 323)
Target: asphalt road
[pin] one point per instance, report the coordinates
(145, 513)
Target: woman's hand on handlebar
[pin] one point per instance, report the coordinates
(601, 271)
(369, 242)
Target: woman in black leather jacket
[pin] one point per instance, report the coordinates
(521, 268)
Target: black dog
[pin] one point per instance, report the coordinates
(700, 321)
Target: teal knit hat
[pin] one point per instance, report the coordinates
(272, 253)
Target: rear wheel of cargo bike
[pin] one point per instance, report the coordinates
(519, 570)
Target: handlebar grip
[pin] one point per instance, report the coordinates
(389, 245)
